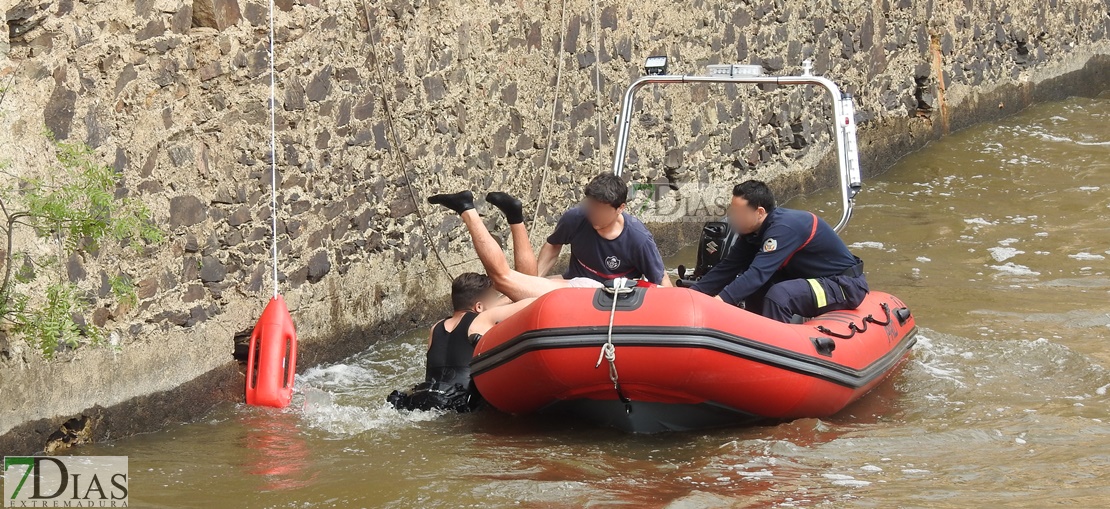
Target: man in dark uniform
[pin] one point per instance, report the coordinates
(451, 345)
(785, 263)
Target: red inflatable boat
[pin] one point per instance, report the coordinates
(683, 360)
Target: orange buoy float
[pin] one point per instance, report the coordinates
(272, 358)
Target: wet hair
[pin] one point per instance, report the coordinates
(608, 189)
(467, 290)
(757, 193)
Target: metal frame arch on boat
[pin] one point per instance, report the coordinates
(844, 111)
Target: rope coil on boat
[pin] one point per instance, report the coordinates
(620, 287)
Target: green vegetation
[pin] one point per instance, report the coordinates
(643, 186)
(75, 209)
(123, 289)
(52, 325)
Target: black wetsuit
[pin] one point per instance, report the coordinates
(450, 353)
(446, 382)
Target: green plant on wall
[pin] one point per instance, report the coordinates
(642, 186)
(51, 325)
(123, 289)
(74, 208)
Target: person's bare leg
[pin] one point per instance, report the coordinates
(514, 284)
(524, 259)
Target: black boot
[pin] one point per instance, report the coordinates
(460, 202)
(512, 208)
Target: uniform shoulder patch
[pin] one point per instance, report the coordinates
(770, 245)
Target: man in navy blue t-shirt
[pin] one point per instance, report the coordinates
(605, 241)
(785, 263)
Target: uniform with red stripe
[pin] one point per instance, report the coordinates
(792, 262)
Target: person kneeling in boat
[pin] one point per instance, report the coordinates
(606, 242)
(451, 345)
(787, 264)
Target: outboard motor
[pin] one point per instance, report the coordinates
(716, 240)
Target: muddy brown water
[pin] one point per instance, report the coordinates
(996, 237)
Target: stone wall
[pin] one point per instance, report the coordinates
(381, 104)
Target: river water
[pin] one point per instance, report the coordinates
(995, 236)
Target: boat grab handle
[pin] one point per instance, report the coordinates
(853, 328)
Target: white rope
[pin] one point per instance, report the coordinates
(608, 350)
(554, 103)
(273, 155)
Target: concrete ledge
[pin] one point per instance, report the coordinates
(137, 415)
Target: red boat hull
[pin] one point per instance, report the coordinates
(685, 360)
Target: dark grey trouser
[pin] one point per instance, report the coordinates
(812, 297)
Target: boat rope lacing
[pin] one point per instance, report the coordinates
(853, 328)
(620, 287)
